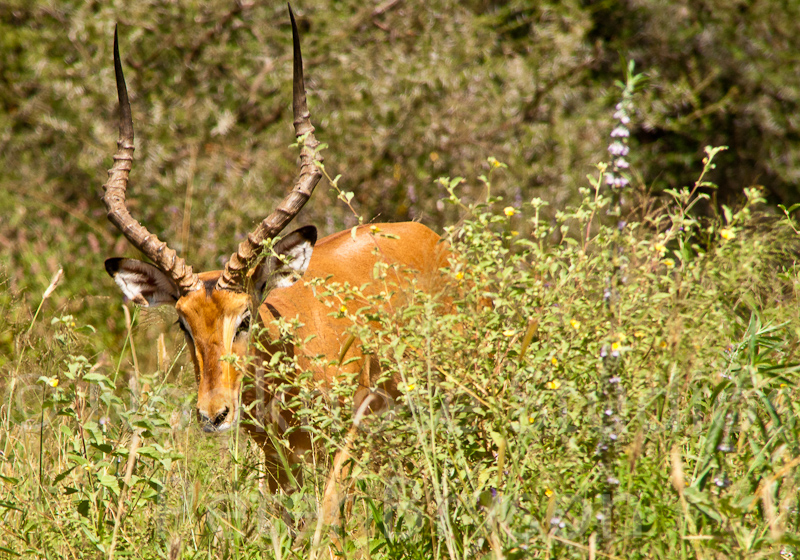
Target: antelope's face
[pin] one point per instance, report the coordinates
(214, 308)
(217, 327)
(217, 321)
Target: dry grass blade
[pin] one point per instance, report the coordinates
(136, 440)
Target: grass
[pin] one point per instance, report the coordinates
(547, 424)
(617, 382)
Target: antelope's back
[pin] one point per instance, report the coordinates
(409, 248)
(413, 256)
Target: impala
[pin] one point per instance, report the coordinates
(215, 309)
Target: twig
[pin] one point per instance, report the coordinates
(385, 7)
(129, 327)
(187, 202)
(583, 547)
(330, 499)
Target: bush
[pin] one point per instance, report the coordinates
(402, 93)
(613, 375)
(625, 386)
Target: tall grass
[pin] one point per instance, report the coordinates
(617, 382)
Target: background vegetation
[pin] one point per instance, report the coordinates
(632, 390)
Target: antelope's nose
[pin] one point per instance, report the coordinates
(211, 424)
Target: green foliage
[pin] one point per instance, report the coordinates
(656, 418)
(607, 369)
(402, 93)
(546, 408)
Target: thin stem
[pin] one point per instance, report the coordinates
(47, 293)
(132, 450)
(41, 442)
(187, 202)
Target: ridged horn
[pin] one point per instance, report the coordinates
(246, 256)
(115, 189)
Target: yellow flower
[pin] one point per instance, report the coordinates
(53, 382)
(410, 387)
(727, 234)
(374, 229)
(660, 248)
(615, 346)
(575, 324)
(530, 419)
(554, 384)
(663, 344)
(459, 275)
(548, 492)
(638, 334)
(554, 361)
(514, 233)
(343, 309)
(669, 263)
(508, 332)
(509, 211)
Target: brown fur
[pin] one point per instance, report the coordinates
(417, 252)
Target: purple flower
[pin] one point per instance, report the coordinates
(617, 148)
(622, 117)
(620, 132)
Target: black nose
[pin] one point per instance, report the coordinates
(212, 425)
(220, 418)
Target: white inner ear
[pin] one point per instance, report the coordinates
(287, 265)
(294, 265)
(145, 284)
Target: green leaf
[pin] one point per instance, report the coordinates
(702, 502)
(63, 475)
(10, 505)
(455, 182)
(83, 508)
(109, 481)
(98, 378)
(154, 451)
(104, 447)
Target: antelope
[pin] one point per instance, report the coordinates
(215, 309)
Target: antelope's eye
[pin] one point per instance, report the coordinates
(244, 325)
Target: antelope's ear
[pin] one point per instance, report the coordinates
(142, 283)
(289, 261)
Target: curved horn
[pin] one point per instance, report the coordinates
(162, 256)
(235, 273)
